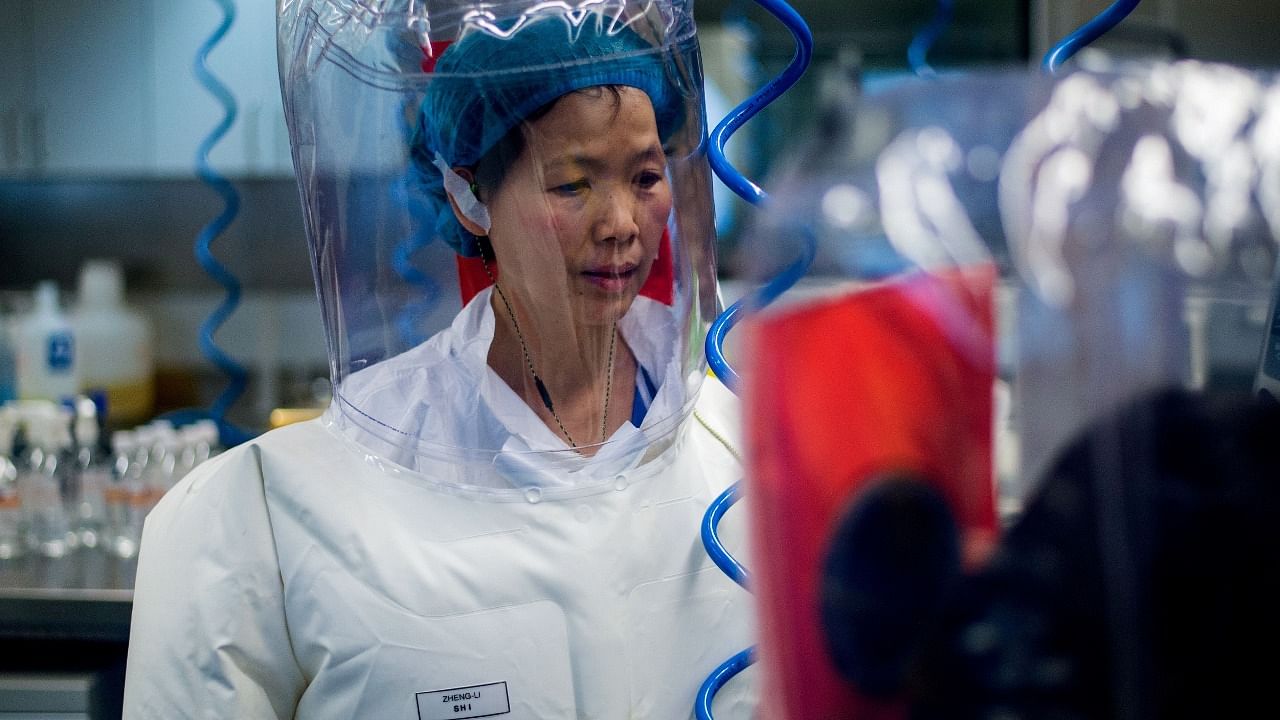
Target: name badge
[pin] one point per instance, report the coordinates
(475, 701)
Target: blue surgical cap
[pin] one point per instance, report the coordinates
(484, 85)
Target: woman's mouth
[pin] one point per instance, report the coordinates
(611, 278)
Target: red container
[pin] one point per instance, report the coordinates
(894, 377)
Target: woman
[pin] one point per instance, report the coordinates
(594, 179)
(503, 518)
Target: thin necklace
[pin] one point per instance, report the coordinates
(537, 381)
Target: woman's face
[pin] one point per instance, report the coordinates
(578, 217)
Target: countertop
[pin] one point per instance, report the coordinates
(86, 595)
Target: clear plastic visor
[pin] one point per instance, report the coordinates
(511, 228)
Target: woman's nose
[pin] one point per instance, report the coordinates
(617, 222)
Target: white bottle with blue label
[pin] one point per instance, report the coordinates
(46, 350)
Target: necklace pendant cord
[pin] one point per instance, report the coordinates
(543, 393)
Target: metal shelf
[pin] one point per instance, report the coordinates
(87, 595)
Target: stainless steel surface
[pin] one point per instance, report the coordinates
(70, 694)
(86, 595)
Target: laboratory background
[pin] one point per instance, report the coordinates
(156, 291)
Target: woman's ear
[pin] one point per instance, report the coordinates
(467, 223)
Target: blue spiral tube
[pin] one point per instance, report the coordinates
(714, 346)
(235, 373)
(408, 321)
(727, 563)
(1086, 34)
(717, 679)
(763, 296)
(748, 190)
(920, 45)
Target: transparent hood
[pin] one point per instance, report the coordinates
(509, 214)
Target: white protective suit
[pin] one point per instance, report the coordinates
(445, 390)
(300, 576)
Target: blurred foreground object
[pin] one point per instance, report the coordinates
(1162, 515)
(1016, 285)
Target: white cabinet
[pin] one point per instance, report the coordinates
(245, 62)
(16, 87)
(91, 93)
(108, 89)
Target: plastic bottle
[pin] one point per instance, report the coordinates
(94, 475)
(161, 439)
(60, 468)
(116, 354)
(189, 449)
(29, 465)
(41, 483)
(208, 441)
(170, 445)
(197, 442)
(142, 495)
(11, 530)
(46, 350)
(123, 493)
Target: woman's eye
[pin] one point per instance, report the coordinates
(649, 179)
(571, 188)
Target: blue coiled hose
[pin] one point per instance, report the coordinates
(752, 193)
(719, 677)
(727, 563)
(409, 320)
(1087, 33)
(928, 35)
(748, 190)
(231, 206)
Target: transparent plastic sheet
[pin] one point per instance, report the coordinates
(881, 364)
(1099, 390)
(567, 136)
(1141, 205)
(1138, 200)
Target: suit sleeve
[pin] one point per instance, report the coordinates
(209, 637)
